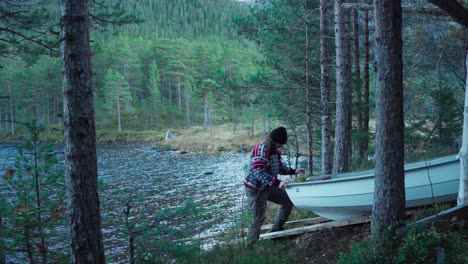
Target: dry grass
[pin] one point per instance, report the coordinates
(215, 139)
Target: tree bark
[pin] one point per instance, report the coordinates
(389, 194)
(80, 135)
(310, 131)
(464, 50)
(341, 157)
(463, 188)
(365, 107)
(326, 155)
(357, 83)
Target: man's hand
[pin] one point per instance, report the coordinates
(283, 185)
(300, 171)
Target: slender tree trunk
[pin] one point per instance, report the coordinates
(264, 119)
(131, 248)
(12, 111)
(47, 112)
(170, 93)
(341, 158)
(37, 104)
(357, 84)
(464, 53)
(187, 106)
(205, 112)
(37, 184)
(309, 124)
(119, 126)
(2, 241)
(463, 189)
(365, 107)
(157, 112)
(28, 244)
(348, 42)
(80, 135)
(179, 94)
(389, 196)
(252, 130)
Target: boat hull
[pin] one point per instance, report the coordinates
(351, 195)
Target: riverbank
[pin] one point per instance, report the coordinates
(221, 138)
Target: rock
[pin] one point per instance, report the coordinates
(170, 135)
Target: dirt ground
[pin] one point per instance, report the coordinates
(325, 246)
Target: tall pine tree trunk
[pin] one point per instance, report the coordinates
(309, 124)
(389, 196)
(357, 83)
(326, 147)
(365, 105)
(341, 155)
(80, 135)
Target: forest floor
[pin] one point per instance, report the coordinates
(325, 246)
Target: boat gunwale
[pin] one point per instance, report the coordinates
(362, 175)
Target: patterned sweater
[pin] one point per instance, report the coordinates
(265, 167)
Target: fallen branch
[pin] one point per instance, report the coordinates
(406, 9)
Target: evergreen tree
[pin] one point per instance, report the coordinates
(118, 96)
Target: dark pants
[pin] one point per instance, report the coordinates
(257, 204)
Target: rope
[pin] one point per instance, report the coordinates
(429, 178)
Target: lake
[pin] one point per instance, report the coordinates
(156, 180)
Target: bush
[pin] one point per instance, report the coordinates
(420, 245)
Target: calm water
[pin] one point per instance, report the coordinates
(157, 179)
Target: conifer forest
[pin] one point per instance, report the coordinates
(358, 84)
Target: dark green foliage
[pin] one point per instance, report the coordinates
(264, 252)
(192, 19)
(34, 206)
(420, 245)
(27, 27)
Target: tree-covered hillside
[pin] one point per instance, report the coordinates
(190, 19)
(180, 63)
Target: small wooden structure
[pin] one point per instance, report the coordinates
(315, 227)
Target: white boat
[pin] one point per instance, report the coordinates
(350, 195)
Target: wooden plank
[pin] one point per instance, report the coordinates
(264, 228)
(316, 227)
(441, 220)
(296, 223)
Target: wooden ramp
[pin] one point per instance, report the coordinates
(315, 227)
(297, 223)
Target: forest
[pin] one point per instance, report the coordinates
(330, 71)
(190, 63)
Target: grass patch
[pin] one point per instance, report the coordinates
(215, 139)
